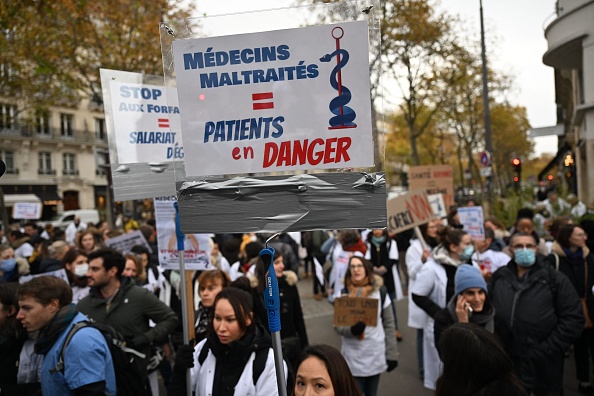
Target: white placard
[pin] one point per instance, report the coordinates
(61, 273)
(471, 217)
(196, 246)
(319, 271)
(26, 210)
(438, 205)
(146, 122)
(283, 100)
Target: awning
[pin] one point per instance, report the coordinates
(49, 197)
(11, 199)
(555, 161)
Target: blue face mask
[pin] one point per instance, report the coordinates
(7, 265)
(468, 250)
(525, 257)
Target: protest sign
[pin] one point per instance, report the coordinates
(319, 268)
(350, 310)
(433, 179)
(123, 243)
(471, 217)
(409, 210)
(61, 273)
(26, 210)
(286, 100)
(438, 205)
(196, 246)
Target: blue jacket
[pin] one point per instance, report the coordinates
(86, 360)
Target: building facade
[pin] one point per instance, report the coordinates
(57, 155)
(570, 38)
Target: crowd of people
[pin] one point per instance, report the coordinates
(519, 300)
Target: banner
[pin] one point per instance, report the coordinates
(434, 179)
(26, 210)
(409, 210)
(196, 246)
(285, 100)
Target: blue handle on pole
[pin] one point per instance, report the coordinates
(271, 295)
(178, 233)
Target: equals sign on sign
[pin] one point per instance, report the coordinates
(260, 99)
(163, 122)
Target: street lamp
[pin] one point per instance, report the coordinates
(486, 112)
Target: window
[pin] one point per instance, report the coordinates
(8, 158)
(45, 163)
(42, 121)
(66, 124)
(69, 167)
(7, 116)
(100, 133)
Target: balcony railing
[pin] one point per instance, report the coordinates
(43, 171)
(12, 171)
(71, 172)
(31, 131)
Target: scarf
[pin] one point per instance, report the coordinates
(359, 289)
(378, 241)
(576, 256)
(53, 330)
(201, 326)
(358, 246)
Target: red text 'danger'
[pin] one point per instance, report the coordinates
(301, 152)
(260, 97)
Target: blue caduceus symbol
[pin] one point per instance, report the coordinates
(344, 115)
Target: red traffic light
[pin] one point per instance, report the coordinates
(516, 179)
(550, 177)
(516, 162)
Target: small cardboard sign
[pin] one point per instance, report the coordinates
(408, 211)
(350, 310)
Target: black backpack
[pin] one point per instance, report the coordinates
(127, 363)
(258, 366)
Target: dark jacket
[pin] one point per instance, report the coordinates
(50, 264)
(575, 271)
(537, 320)
(380, 255)
(130, 311)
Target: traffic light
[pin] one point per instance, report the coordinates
(517, 164)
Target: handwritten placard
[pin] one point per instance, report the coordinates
(350, 310)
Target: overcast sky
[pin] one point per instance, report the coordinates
(515, 28)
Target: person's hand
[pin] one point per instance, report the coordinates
(392, 364)
(462, 309)
(358, 328)
(426, 254)
(139, 341)
(184, 358)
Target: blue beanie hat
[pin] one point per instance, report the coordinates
(468, 276)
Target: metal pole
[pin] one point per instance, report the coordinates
(184, 301)
(486, 111)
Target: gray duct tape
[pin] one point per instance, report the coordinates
(283, 203)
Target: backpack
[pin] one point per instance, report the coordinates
(258, 365)
(127, 364)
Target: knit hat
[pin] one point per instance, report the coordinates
(467, 277)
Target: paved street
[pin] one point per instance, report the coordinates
(404, 380)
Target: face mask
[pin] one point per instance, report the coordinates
(525, 257)
(7, 265)
(81, 270)
(468, 250)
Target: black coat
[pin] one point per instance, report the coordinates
(537, 320)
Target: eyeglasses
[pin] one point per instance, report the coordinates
(529, 246)
(354, 266)
(581, 235)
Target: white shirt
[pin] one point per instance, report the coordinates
(490, 260)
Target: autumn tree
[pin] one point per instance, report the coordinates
(51, 51)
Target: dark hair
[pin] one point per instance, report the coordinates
(241, 302)
(8, 298)
(557, 224)
(525, 213)
(338, 370)
(214, 276)
(368, 271)
(72, 254)
(147, 231)
(520, 234)
(252, 250)
(489, 233)
(451, 236)
(348, 237)
(451, 214)
(242, 283)
(111, 258)
(45, 289)
(261, 269)
(565, 233)
(141, 249)
(475, 363)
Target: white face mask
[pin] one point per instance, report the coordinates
(81, 270)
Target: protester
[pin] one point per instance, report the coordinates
(416, 256)
(134, 268)
(76, 264)
(382, 251)
(117, 301)
(19, 365)
(210, 284)
(322, 370)
(434, 287)
(11, 267)
(86, 241)
(46, 306)
(537, 316)
(468, 305)
(500, 233)
(73, 229)
(474, 363)
(368, 350)
(54, 261)
(349, 244)
(233, 344)
(20, 243)
(571, 256)
(487, 259)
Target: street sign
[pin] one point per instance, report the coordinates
(486, 172)
(485, 159)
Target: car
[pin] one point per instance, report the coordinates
(62, 220)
